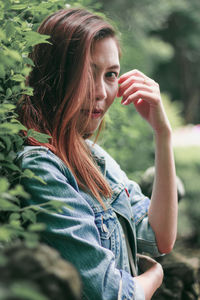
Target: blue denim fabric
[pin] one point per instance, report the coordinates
(85, 234)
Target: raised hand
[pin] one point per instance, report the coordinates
(135, 87)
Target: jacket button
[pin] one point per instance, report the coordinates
(105, 228)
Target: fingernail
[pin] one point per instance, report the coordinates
(124, 102)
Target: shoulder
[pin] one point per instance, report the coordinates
(39, 158)
(48, 178)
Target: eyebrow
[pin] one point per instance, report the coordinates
(109, 68)
(114, 67)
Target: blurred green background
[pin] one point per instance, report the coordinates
(160, 38)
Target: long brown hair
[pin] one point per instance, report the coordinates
(62, 79)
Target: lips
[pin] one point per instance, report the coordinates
(96, 113)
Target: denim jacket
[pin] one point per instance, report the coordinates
(85, 234)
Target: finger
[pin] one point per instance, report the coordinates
(126, 75)
(134, 88)
(126, 84)
(136, 73)
(151, 98)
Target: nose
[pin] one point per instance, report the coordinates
(100, 90)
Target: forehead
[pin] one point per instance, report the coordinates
(105, 52)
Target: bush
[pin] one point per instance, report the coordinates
(19, 20)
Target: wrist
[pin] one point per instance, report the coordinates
(165, 132)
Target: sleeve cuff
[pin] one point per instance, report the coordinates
(146, 240)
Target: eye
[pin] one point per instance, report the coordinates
(112, 75)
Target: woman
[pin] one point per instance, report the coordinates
(107, 220)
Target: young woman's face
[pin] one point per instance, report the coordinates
(105, 65)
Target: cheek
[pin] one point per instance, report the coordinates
(113, 93)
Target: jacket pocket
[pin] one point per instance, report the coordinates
(107, 224)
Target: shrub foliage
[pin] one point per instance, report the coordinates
(19, 20)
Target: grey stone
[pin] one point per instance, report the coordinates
(181, 278)
(43, 269)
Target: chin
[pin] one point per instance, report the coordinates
(89, 133)
(91, 129)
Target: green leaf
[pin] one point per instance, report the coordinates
(4, 185)
(26, 70)
(18, 143)
(2, 146)
(19, 6)
(18, 78)
(8, 197)
(11, 128)
(5, 108)
(15, 223)
(28, 61)
(7, 142)
(28, 173)
(7, 205)
(5, 234)
(56, 204)
(31, 239)
(8, 93)
(12, 54)
(29, 215)
(10, 28)
(37, 227)
(14, 217)
(33, 38)
(40, 137)
(28, 91)
(19, 191)
(10, 166)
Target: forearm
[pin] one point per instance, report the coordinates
(163, 208)
(151, 280)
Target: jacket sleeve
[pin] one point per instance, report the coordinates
(146, 240)
(74, 233)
